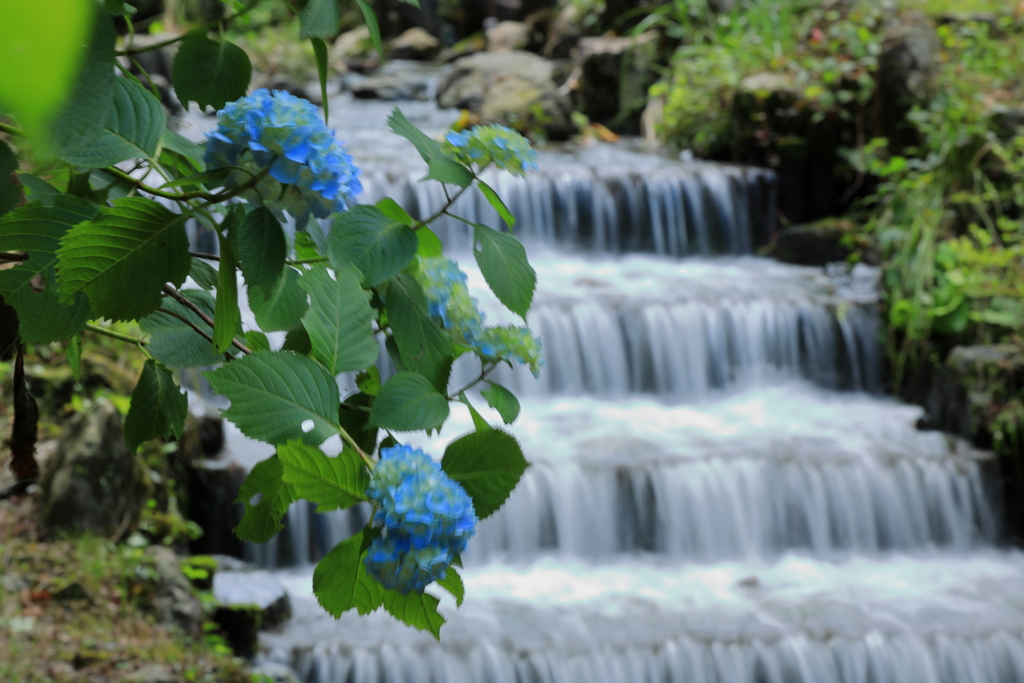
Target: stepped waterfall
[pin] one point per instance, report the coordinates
(719, 492)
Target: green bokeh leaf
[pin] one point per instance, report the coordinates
(378, 246)
(10, 193)
(425, 347)
(73, 354)
(37, 230)
(371, 24)
(174, 343)
(209, 72)
(133, 129)
(503, 263)
(283, 309)
(488, 464)
(158, 407)
(339, 320)
(331, 483)
(123, 257)
(319, 19)
(340, 581)
(84, 115)
(502, 400)
(320, 54)
(266, 498)
(408, 402)
(274, 394)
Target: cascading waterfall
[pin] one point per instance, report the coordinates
(719, 493)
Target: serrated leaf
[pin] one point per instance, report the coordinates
(368, 381)
(419, 610)
(378, 246)
(429, 243)
(425, 347)
(283, 309)
(479, 423)
(408, 402)
(445, 170)
(174, 343)
(158, 407)
(133, 128)
(497, 203)
(372, 26)
(319, 19)
(38, 189)
(87, 110)
(331, 483)
(425, 145)
(390, 208)
(488, 464)
(304, 247)
(10, 193)
(181, 145)
(262, 518)
(354, 421)
(73, 354)
(122, 258)
(256, 341)
(209, 72)
(228, 317)
(202, 274)
(502, 400)
(339, 320)
(37, 230)
(452, 583)
(503, 263)
(274, 393)
(340, 581)
(320, 54)
(298, 340)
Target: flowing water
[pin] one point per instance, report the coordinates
(719, 493)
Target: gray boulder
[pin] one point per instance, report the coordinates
(508, 35)
(416, 43)
(907, 69)
(173, 601)
(93, 483)
(613, 77)
(396, 86)
(259, 588)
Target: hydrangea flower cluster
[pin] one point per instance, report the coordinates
(310, 172)
(502, 146)
(449, 301)
(425, 517)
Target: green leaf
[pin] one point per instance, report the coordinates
(38, 189)
(479, 423)
(256, 341)
(394, 354)
(320, 53)
(174, 343)
(419, 610)
(429, 243)
(390, 208)
(199, 179)
(304, 247)
(449, 171)
(408, 402)
(273, 394)
(372, 26)
(119, 7)
(502, 400)
(368, 381)
(425, 145)
(210, 73)
(133, 129)
(452, 583)
(10, 193)
(284, 308)
(503, 263)
(319, 19)
(42, 47)
(378, 246)
(158, 407)
(425, 347)
(262, 248)
(37, 230)
(73, 353)
(488, 465)
(498, 204)
(87, 109)
(331, 483)
(298, 340)
(203, 274)
(183, 146)
(264, 485)
(339, 320)
(354, 421)
(123, 257)
(340, 581)
(228, 317)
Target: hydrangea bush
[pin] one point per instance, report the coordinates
(93, 229)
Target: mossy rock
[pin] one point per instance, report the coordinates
(815, 244)
(241, 626)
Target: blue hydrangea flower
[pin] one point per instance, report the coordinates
(448, 301)
(482, 145)
(426, 519)
(310, 172)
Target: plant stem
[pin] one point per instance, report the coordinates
(300, 261)
(188, 196)
(132, 50)
(11, 130)
(347, 438)
(442, 211)
(140, 343)
(199, 254)
(187, 303)
(484, 371)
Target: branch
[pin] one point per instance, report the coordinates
(187, 303)
(11, 130)
(140, 343)
(208, 257)
(187, 196)
(484, 371)
(443, 210)
(11, 257)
